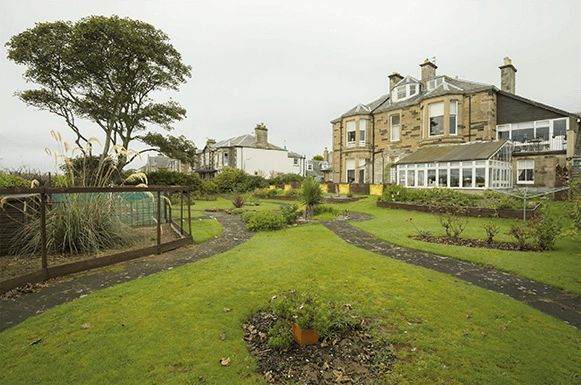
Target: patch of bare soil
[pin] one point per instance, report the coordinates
(478, 243)
(351, 358)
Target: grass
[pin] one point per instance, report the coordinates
(558, 268)
(165, 328)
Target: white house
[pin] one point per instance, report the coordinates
(251, 153)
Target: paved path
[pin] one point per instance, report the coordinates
(556, 303)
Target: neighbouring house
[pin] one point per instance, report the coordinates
(158, 163)
(439, 131)
(251, 153)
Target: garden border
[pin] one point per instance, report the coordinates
(470, 211)
(47, 272)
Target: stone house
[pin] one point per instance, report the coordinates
(439, 131)
(158, 163)
(251, 153)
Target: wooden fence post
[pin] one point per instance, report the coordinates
(159, 221)
(43, 234)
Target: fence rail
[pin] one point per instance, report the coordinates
(138, 206)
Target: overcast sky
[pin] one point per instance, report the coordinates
(297, 65)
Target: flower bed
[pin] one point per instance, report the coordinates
(470, 211)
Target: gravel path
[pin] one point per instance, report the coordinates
(557, 303)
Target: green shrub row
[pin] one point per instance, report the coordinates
(489, 199)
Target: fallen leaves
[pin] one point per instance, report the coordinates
(225, 361)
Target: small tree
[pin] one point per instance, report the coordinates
(312, 196)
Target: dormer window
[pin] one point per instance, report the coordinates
(435, 83)
(404, 91)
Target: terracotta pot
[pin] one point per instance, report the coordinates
(305, 337)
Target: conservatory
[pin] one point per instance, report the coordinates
(479, 165)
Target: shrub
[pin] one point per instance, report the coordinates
(574, 205)
(10, 181)
(290, 214)
(232, 180)
(451, 219)
(265, 221)
(247, 216)
(238, 211)
(311, 196)
(174, 178)
(521, 231)
(286, 178)
(545, 229)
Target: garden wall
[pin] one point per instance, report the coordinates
(470, 211)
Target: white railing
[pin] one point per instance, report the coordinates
(558, 143)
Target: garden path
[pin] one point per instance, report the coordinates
(555, 302)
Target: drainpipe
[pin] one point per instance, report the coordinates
(340, 149)
(373, 152)
(469, 118)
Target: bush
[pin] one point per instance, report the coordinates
(286, 178)
(247, 216)
(545, 229)
(451, 219)
(232, 180)
(290, 214)
(12, 181)
(311, 196)
(173, 178)
(238, 201)
(265, 221)
(521, 231)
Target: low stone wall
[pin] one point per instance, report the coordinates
(470, 211)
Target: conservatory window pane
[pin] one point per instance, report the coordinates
(466, 177)
(443, 178)
(411, 178)
(480, 177)
(421, 174)
(431, 178)
(454, 177)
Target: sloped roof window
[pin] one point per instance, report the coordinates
(404, 91)
(435, 83)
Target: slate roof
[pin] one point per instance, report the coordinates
(448, 86)
(454, 153)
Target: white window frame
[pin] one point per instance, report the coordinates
(453, 126)
(362, 130)
(394, 129)
(351, 132)
(528, 167)
(433, 115)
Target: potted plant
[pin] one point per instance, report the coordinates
(306, 314)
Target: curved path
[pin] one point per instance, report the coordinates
(557, 303)
(554, 302)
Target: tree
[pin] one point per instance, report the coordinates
(102, 69)
(318, 157)
(179, 148)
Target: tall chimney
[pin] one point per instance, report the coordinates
(508, 76)
(326, 155)
(428, 70)
(394, 78)
(261, 136)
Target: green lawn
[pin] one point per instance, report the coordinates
(165, 328)
(560, 268)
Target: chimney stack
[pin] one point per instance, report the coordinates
(394, 78)
(326, 155)
(508, 76)
(261, 136)
(428, 70)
